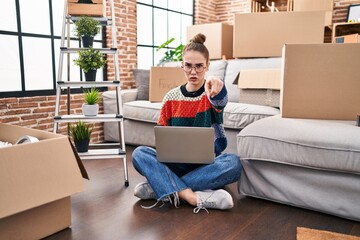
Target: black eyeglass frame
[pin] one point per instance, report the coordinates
(190, 68)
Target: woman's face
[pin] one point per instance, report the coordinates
(195, 66)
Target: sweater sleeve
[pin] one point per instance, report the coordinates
(219, 101)
(165, 112)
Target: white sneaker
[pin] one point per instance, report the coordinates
(144, 191)
(217, 199)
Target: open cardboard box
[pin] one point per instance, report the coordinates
(36, 182)
(321, 81)
(263, 34)
(219, 38)
(260, 86)
(163, 79)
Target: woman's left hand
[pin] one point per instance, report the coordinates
(213, 86)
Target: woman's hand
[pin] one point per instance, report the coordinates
(213, 86)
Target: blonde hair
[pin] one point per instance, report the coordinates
(197, 44)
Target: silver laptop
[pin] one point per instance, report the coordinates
(184, 144)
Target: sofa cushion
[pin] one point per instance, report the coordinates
(239, 115)
(217, 68)
(144, 111)
(320, 144)
(235, 66)
(142, 79)
(236, 116)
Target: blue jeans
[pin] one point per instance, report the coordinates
(168, 178)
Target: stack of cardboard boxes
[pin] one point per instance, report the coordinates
(323, 77)
(254, 35)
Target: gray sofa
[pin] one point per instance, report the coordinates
(140, 116)
(313, 164)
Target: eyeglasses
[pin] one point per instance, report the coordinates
(199, 68)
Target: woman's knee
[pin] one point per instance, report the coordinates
(232, 162)
(139, 154)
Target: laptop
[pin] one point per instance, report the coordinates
(184, 144)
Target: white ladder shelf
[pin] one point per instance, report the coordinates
(102, 150)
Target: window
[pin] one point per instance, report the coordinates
(30, 33)
(158, 21)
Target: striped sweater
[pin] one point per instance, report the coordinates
(183, 108)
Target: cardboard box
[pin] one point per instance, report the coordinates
(351, 38)
(219, 38)
(260, 86)
(264, 34)
(342, 29)
(163, 79)
(318, 5)
(97, 9)
(36, 182)
(321, 81)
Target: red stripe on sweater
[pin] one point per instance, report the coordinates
(183, 108)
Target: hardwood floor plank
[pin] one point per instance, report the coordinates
(109, 210)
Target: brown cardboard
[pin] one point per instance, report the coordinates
(219, 38)
(342, 29)
(162, 80)
(35, 179)
(38, 222)
(321, 81)
(260, 86)
(97, 8)
(351, 38)
(318, 5)
(260, 79)
(264, 34)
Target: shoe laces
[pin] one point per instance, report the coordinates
(202, 204)
(173, 199)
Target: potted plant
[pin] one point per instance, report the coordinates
(87, 28)
(81, 133)
(92, 98)
(172, 54)
(89, 61)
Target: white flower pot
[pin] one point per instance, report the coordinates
(90, 110)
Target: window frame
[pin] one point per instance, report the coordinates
(153, 46)
(20, 35)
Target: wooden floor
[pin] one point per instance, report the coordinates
(108, 210)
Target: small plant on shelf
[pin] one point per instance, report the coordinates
(89, 61)
(86, 28)
(81, 133)
(92, 98)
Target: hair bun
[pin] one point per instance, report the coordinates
(198, 38)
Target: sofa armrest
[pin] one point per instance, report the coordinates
(128, 95)
(109, 99)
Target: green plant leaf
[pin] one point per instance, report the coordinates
(90, 59)
(86, 26)
(171, 54)
(80, 131)
(92, 96)
(165, 44)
